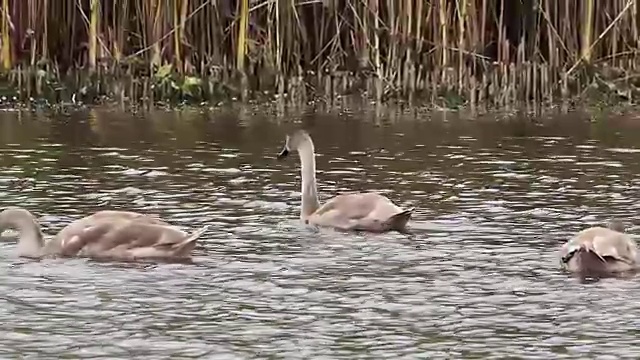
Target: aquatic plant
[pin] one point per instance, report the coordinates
(462, 52)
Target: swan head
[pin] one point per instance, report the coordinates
(15, 218)
(616, 225)
(25, 223)
(294, 141)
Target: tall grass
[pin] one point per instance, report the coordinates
(496, 52)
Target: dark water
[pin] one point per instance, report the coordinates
(480, 279)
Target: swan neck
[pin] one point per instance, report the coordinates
(30, 240)
(309, 191)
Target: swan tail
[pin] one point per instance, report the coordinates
(196, 234)
(399, 221)
(190, 242)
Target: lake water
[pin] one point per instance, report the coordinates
(479, 278)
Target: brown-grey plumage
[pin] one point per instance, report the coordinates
(118, 235)
(352, 212)
(600, 250)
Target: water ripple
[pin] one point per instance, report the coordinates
(479, 279)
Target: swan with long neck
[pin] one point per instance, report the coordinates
(119, 235)
(354, 211)
(600, 251)
(306, 153)
(30, 238)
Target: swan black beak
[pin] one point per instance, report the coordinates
(283, 154)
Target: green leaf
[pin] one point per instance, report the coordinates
(164, 71)
(191, 81)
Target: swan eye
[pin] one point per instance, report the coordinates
(283, 154)
(565, 259)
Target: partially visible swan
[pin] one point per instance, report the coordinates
(350, 212)
(118, 235)
(600, 250)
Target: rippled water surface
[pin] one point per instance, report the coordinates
(478, 279)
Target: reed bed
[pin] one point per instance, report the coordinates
(446, 52)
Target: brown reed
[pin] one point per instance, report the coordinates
(450, 52)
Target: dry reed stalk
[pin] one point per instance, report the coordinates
(586, 30)
(501, 35)
(635, 36)
(604, 32)
(118, 28)
(462, 20)
(177, 34)
(373, 9)
(93, 34)
(444, 25)
(6, 36)
(241, 50)
(278, 58)
(406, 78)
(152, 15)
(414, 47)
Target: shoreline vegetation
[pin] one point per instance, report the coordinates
(449, 54)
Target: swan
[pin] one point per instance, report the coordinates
(107, 234)
(368, 211)
(601, 250)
